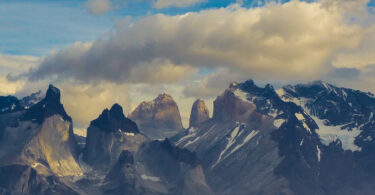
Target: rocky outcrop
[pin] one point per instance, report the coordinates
(243, 141)
(157, 168)
(232, 105)
(41, 137)
(108, 136)
(21, 179)
(10, 103)
(199, 113)
(159, 118)
(46, 108)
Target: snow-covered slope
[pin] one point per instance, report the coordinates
(341, 114)
(305, 139)
(247, 140)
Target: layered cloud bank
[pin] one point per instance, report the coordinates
(198, 53)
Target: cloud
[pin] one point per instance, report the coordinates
(160, 71)
(14, 64)
(85, 102)
(7, 87)
(213, 84)
(98, 7)
(287, 41)
(160, 4)
(359, 57)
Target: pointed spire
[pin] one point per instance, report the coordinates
(47, 107)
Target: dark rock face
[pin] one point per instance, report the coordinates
(20, 179)
(161, 169)
(108, 136)
(346, 161)
(32, 99)
(49, 106)
(229, 107)
(9, 104)
(40, 137)
(114, 119)
(159, 118)
(199, 113)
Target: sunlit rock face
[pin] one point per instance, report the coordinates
(159, 118)
(108, 136)
(157, 167)
(41, 137)
(199, 113)
(230, 106)
(22, 179)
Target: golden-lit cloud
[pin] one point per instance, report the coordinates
(293, 41)
(284, 41)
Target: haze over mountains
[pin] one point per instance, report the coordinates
(313, 138)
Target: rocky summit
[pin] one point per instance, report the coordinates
(159, 118)
(108, 136)
(39, 146)
(199, 113)
(313, 138)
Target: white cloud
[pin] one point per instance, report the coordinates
(14, 64)
(159, 53)
(7, 87)
(211, 85)
(98, 7)
(160, 4)
(287, 41)
(85, 102)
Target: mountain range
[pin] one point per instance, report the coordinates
(313, 138)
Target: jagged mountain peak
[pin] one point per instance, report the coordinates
(158, 118)
(114, 120)
(164, 97)
(47, 107)
(116, 111)
(250, 87)
(9, 104)
(53, 93)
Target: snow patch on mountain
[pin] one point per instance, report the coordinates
(319, 153)
(247, 139)
(191, 133)
(301, 118)
(150, 178)
(231, 140)
(242, 95)
(278, 122)
(329, 134)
